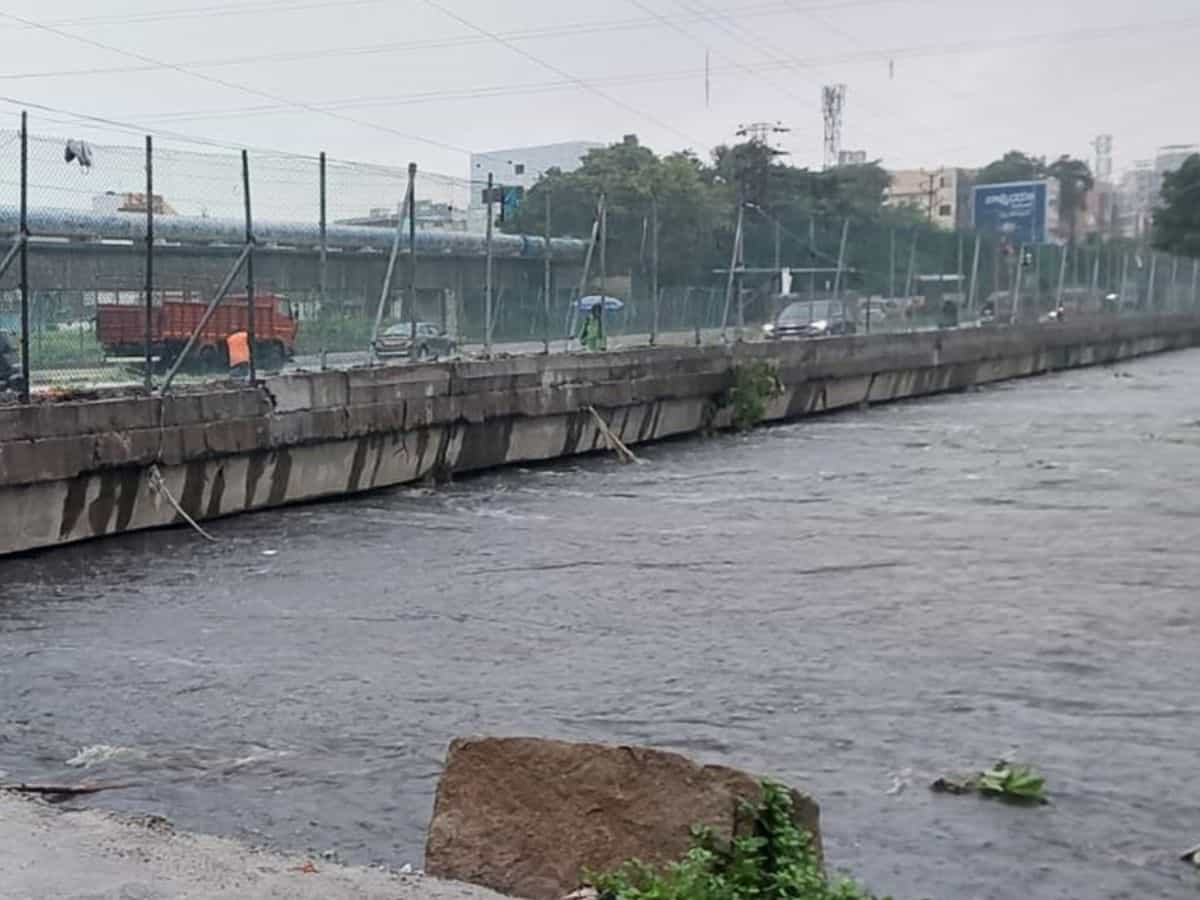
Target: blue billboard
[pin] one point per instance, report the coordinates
(1018, 210)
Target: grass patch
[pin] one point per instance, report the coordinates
(335, 334)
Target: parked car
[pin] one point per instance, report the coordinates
(810, 319)
(430, 343)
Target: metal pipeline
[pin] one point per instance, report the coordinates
(83, 225)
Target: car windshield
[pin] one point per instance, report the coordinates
(805, 311)
(404, 329)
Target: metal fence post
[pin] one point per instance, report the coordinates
(1124, 278)
(729, 281)
(1094, 285)
(1062, 277)
(1016, 290)
(1170, 304)
(487, 276)
(1150, 300)
(603, 271)
(654, 268)
(841, 262)
(1037, 278)
(323, 266)
(250, 329)
(546, 280)
(892, 266)
(912, 267)
(971, 298)
(204, 319)
(960, 271)
(386, 290)
(24, 237)
(412, 257)
(149, 376)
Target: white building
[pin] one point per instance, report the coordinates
(1140, 189)
(520, 168)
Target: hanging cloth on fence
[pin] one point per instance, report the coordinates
(78, 150)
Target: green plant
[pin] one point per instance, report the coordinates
(772, 860)
(754, 385)
(1012, 782)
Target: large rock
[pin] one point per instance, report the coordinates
(526, 816)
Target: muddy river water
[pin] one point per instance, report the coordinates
(854, 604)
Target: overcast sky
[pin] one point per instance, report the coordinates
(929, 82)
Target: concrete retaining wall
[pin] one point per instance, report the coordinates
(70, 471)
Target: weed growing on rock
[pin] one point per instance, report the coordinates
(754, 385)
(774, 860)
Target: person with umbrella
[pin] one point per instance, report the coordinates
(592, 333)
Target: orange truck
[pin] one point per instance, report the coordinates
(120, 329)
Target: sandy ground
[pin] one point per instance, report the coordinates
(54, 854)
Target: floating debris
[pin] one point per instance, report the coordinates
(1005, 781)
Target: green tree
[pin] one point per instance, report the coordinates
(1013, 166)
(1075, 180)
(628, 175)
(1177, 223)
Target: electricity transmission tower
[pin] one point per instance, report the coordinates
(833, 105)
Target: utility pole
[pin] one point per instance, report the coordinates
(1195, 282)
(931, 193)
(1121, 289)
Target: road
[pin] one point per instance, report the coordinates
(855, 604)
(115, 375)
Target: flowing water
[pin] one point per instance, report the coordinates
(855, 604)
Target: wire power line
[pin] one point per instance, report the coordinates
(739, 66)
(239, 87)
(551, 67)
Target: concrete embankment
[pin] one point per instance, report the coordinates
(76, 470)
(47, 852)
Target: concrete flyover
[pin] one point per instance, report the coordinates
(76, 470)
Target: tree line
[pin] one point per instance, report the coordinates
(793, 214)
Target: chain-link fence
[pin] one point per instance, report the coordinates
(346, 271)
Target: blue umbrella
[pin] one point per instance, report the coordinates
(611, 304)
